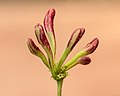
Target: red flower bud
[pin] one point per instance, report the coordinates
(48, 21)
(36, 51)
(41, 37)
(49, 28)
(32, 47)
(75, 37)
(84, 60)
(91, 47)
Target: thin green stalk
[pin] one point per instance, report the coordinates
(59, 87)
(75, 58)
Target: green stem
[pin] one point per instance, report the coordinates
(63, 57)
(75, 58)
(59, 87)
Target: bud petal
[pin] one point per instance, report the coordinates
(75, 37)
(49, 28)
(84, 60)
(91, 47)
(42, 39)
(36, 51)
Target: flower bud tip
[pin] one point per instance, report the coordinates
(75, 37)
(91, 47)
(84, 60)
(32, 47)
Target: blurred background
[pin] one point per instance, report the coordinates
(22, 74)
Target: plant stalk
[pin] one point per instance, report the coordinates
(59, 87)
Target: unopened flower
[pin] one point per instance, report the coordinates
(91, 47)
(49, 28)
(43, 41)
(41, 37)
(88, 49)
(36, 51)
(83, 61)
(75, 37)
(46, 38)
(32, 47)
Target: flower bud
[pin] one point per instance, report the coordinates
(32, 47)
(84, 60)
(91, 47)
(36, 51)
(41, 37)
(75, 37)
(48, 21)
(49, 28)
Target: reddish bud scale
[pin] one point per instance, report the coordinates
(91, 47)
(77, 38)
(42, 39)
(48, 21)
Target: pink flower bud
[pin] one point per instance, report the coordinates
(32, 47)
(49, 28)
(91, 47)
(75, 37)
(42, 39)
(41, 36)
(36, 51)
(84, 60)
(48, 21)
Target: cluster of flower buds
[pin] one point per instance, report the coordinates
(46, 38)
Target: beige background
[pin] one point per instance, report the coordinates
(22, 74)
